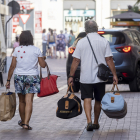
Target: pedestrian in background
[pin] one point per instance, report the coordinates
(18, 30)
(71, 38)
(88, 77)
(52, 43)
(44, 42)
(49, 49)
(26, 76)
(16, 44)
(61, 43)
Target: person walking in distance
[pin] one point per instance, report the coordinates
(16, 44)
(44, 43)
(26, 76)
(71, 38)
(61, 43)
(18, 30)
(52, 43)
(88, 78)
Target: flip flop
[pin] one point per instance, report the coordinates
(29, 128)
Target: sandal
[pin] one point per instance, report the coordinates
(96, 126)
(90, 127)
(20, 123)
(29, 128)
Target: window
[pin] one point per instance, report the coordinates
(138, 34)
(136, 40)
(114, 38)
(129, 35)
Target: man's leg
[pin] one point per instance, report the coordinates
(97, 110)
(88, 109)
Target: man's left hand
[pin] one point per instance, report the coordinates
(70, 81)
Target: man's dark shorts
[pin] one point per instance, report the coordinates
(88, 89)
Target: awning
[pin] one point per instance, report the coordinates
(127, 15)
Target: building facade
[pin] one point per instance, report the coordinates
(70, 14)
(4, 14)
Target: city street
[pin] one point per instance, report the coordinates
(46, 126)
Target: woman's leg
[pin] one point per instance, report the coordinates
(22, 106)
(60, 53)
(54, 50)
(28, 108)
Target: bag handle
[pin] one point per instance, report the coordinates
(48, 72)
(70, 86)
(92, 50)
(114, 87)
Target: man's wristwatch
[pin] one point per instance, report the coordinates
(8, 80)
(70, 76)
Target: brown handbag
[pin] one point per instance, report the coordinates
(7, 106)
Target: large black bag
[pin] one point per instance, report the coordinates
(69, 106)
(103, 70)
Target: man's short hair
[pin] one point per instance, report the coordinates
(91, 26)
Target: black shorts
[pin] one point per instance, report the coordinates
(88, 89)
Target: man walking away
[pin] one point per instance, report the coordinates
(88, 78)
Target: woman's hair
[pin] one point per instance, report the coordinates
(16, 39)
(44, 30)
(71, 31)
(81, 35)
(51, 32)
(26, 38)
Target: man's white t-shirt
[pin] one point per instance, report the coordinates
(89, 67)
(27, 60)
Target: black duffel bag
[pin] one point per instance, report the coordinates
(69, 106)
(103, 70)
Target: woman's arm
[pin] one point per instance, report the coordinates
(12, 51)
(11, 70)
(42, 62)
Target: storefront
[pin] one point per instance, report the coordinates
(75, 19)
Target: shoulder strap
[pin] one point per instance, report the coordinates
(92, 49)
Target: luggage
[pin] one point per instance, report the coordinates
(48, 85)
(7, 106)
(69, 106)
(51, 38)
(114, 105)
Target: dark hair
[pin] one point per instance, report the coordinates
(51, 32)
(16, 39)
(81, 35)
(44, 30)
(71, 32)
(26, 38)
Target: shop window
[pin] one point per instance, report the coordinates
(136, 40)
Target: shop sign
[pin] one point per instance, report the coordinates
(125, 23)
(15, 22)
(38, 22)
(77, 13)
(25, 4)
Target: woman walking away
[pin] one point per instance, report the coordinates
(52, 43)
(72, 38)
(44, 43)
(61, 43)
(26, 79)
(16, 44)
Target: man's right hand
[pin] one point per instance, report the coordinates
(115, 79)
